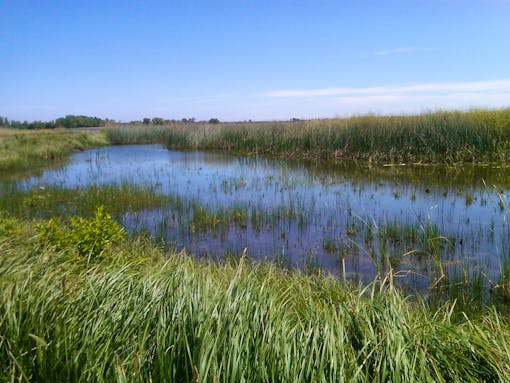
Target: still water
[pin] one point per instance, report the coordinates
(347, 219)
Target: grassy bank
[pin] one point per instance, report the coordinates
(136, 313)
(30, 150)
(473, 136)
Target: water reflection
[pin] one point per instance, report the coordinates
(340, 217)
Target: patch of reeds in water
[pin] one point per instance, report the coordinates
(417, 252)
(47, 202)
(472, 136)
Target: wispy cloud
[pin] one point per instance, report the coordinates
(394, 51)
(431, 88)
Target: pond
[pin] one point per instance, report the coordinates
(351, 220)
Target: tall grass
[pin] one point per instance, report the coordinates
(139, 314)
(472, 136)
(21, 151)
(173, 134)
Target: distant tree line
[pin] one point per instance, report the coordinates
(71, 121)
(68, 121)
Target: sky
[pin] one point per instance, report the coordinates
(251, 59)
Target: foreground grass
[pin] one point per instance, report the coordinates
(473, 136)
(21, 150)
(136, 313)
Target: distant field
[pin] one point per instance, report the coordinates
(6, 132)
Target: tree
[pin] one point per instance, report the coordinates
(214, 121)
(146, 121)
(71, 121)
(4, 121)
(157, 121)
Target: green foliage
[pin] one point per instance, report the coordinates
(31, 125)
(165, 317)
(65, 202)
(71, 121)
(88, 237)
(68, 121)
(8, 226)
(29, 150)
(214, 121)
(473, 136)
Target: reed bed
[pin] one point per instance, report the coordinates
(137, 313)
(443, 136)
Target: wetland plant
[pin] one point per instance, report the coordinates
(142, 314)
(31, 151)
(438, 137)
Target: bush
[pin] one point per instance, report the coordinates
(71, 121)
(89, 237)
(8, 226)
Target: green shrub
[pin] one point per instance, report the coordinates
(89, 237)
(8, 226)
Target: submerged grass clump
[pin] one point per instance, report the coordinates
(140, 314)
(473, 136)
(52, 201)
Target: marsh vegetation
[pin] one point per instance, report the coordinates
(136, 262)
(136, 313)
(438, 137)
(22, 150)
(352, 221)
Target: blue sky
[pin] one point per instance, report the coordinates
(258, 59)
